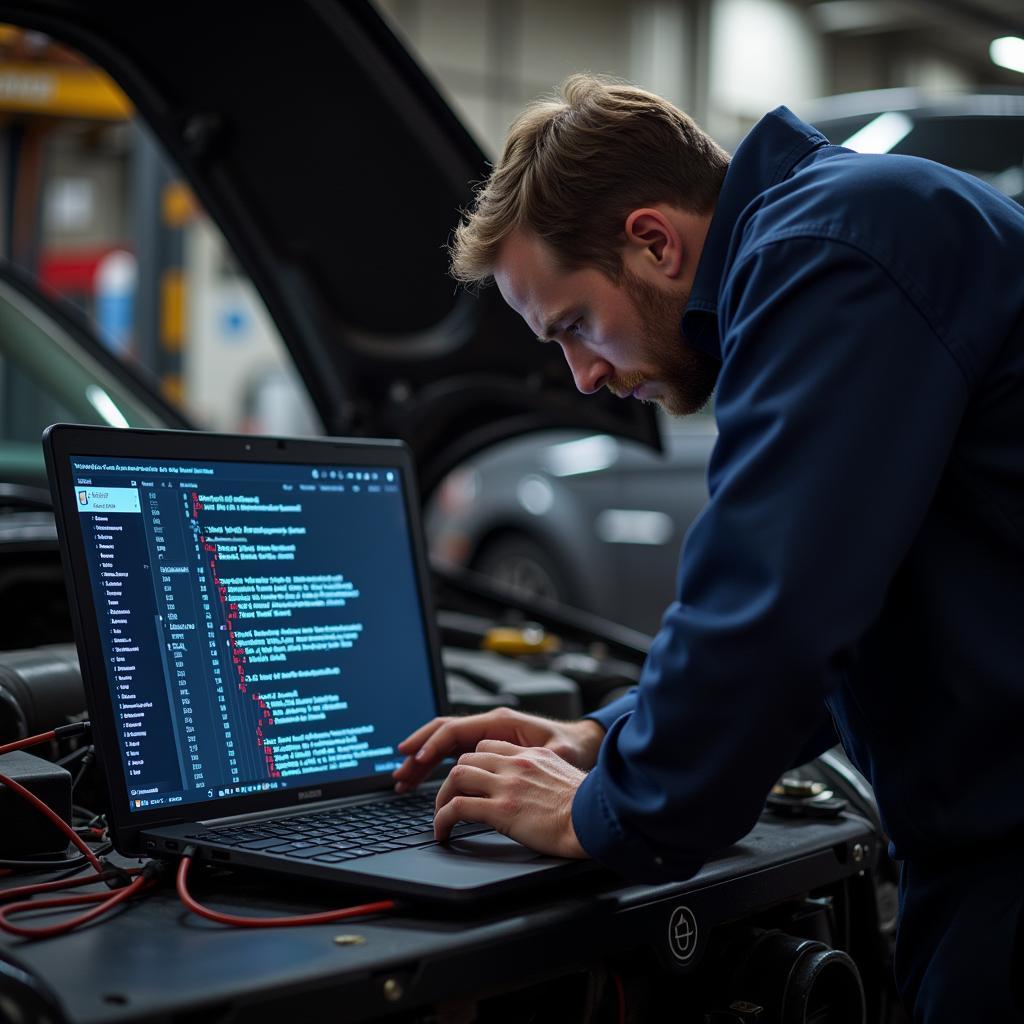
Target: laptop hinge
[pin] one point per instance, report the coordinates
(284, 812)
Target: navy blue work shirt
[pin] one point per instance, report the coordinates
(862, 551)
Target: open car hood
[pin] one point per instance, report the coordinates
(336, 172)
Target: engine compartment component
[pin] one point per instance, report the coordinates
(529, 688)
(26, 832)
(39, 689)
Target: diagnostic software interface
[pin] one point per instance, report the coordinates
(261, 622)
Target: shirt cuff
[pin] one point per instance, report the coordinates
(616, 709)
(603, 837)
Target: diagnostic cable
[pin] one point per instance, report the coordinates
(240, 921)
(127, 882)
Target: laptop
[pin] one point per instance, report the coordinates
(256, 636)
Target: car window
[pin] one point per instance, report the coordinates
(94, 214)
(47, 376)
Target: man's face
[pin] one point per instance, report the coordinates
(625, 337)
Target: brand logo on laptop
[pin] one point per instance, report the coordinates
(309, 794)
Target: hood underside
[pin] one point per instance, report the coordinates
(336, 173)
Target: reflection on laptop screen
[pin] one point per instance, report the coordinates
(261, 622)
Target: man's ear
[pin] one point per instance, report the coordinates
(653, 243)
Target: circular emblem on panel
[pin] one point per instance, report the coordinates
(682, 934)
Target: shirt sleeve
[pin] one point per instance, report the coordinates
(616, 709)
(822, 739)
(838, 402)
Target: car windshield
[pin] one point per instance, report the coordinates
(46, 376)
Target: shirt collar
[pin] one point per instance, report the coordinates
(766, 156)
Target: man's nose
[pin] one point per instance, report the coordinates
(590, 372)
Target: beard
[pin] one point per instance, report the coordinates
(685, 375)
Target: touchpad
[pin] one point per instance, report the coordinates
(495, 847)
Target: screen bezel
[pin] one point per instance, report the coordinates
(60, 442)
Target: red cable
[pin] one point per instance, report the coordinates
(48, 931)
(28, 741)
(106, 900)
(60, 732)
(270, 922)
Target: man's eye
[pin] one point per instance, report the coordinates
(576, 327)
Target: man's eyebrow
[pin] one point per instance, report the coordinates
(552, 325)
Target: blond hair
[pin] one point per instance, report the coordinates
(575, 167)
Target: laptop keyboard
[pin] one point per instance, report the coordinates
(343, 833)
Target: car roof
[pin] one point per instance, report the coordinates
(979, 131)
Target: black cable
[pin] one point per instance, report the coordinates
(85, 812)
(74, 755)
(87, 759)
(62, 732)
(100, 849)
(43, 865)
(53, 865)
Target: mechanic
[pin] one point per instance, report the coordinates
(861, 557)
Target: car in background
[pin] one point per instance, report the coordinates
(598, 522)
(590, 520)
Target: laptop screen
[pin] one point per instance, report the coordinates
(260, 622)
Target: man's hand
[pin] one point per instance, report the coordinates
(522, 792)
(575, 742)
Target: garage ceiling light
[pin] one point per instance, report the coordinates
(1008, 52)
(881, 134)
